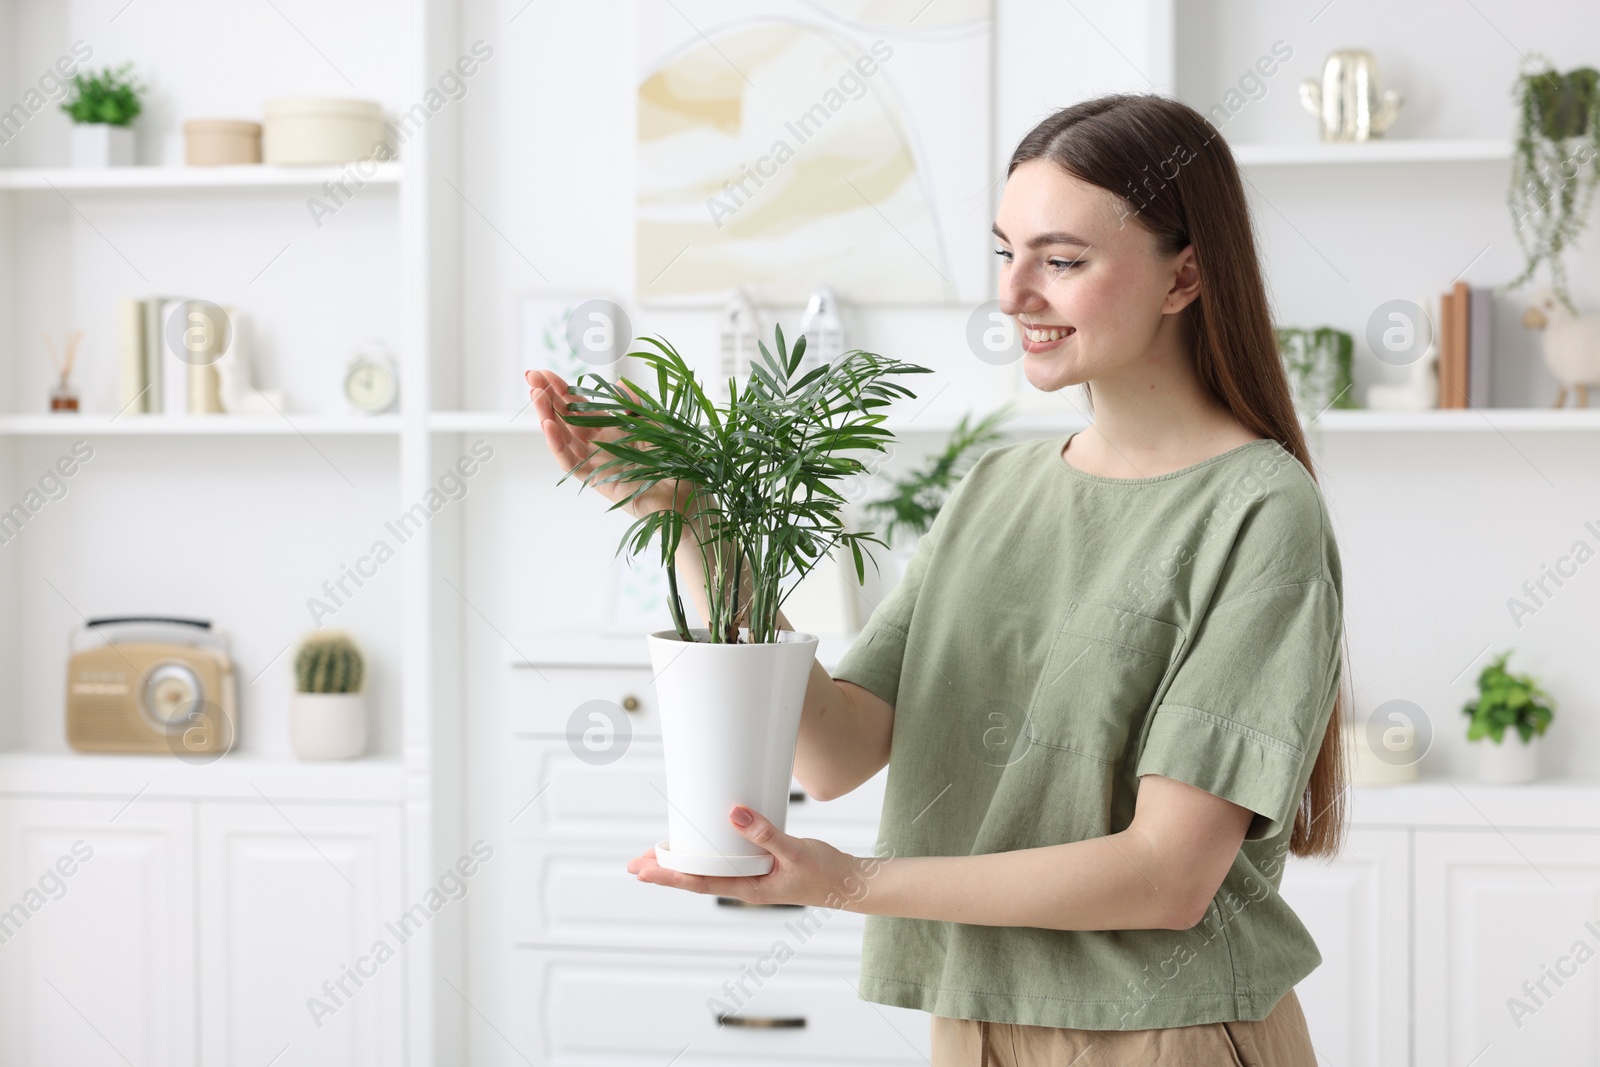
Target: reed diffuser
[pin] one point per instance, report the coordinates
(62, 396)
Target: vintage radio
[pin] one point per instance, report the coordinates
(151, 685)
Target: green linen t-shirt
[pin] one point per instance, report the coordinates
(1059, 633)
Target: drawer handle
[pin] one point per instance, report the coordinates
(735, 902)
(630, 703)
(761, 1022)
(796, 795)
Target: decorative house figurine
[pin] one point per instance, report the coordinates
(1571, 345)
(738, 335)
(823, 331)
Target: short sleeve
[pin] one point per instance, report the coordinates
(874, 658)
(1244, 715)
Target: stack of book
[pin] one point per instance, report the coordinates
(1465, 322)
(154, 380)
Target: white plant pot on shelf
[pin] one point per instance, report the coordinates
(730, 719)
(95, 144)
(328, 725)
(1511, 762)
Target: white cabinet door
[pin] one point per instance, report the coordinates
(1357, 908)
(1508, 947)
(97, 932)
(299, 937)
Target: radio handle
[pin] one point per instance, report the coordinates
(111, 620)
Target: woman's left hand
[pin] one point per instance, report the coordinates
(804, 870)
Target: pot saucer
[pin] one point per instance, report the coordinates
(717, 866)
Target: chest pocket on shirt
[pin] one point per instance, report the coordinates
(1100, 677)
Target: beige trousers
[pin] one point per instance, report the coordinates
(1279, 1040)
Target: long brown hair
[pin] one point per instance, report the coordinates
(1179, 181)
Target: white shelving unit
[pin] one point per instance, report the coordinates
(240, 519)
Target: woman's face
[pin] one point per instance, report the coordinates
(1082, 280)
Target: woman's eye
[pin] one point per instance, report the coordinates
(1058, 265)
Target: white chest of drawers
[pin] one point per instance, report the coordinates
(607, 969)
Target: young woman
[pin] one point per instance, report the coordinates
(1107, 688)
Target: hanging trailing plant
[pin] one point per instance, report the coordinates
(1554, 167)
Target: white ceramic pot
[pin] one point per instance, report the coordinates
(320, 129)
(730, 719)
(1511, 762)
(95, 144)
(328, 725)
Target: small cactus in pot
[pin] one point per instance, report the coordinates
(328, 662)
(328, 719)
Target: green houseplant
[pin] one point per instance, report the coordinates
(914, 500)
(1554, 167)
(1506, 701)
(102, 106)
(758, 475)
(328, 719)
(762, 469)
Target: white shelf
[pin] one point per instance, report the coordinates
(1049, 422)
(1379, 151)
(1464, 419)
(243, 176)
(234, 776)
(291, 424)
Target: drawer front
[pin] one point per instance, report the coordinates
(572, 893)
(543, 700)
(607, 1008)
(562, 797)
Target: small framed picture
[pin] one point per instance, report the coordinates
(638, 595)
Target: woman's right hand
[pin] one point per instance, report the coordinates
(574, 447)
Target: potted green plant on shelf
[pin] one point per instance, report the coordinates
(1506, 701)
(103, 106)
(1318, 363)
(328, 719)
(913, 501)
(754, 482)
(1554, 167)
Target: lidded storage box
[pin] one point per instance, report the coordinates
(320, 129)
(218, 142)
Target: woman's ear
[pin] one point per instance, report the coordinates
(1185, 281)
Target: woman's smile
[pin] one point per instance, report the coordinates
(1044, 338)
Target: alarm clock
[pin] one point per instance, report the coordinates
(372, 382)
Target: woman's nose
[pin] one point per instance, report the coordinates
(1017, 295)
